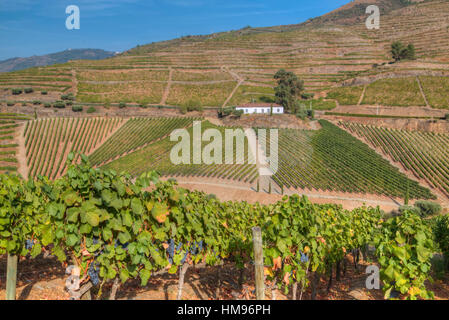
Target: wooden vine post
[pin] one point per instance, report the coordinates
(11, 277)
(182, 273)
(258, 263)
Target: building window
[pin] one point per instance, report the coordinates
(246, 110)
(279, 110)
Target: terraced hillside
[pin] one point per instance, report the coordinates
(9, 124)
(156, 156)
(49, 141)
(423, 154)
(332, 160)
(237, 66)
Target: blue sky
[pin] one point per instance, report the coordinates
(35, 27)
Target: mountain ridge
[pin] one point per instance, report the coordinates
(19, 63)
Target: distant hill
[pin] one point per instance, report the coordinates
(354, 12)
(15, 64)
(328, 53)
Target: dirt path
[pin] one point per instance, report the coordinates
(422, 92)
(314, 125)
(167, 88)
(362, 96)
(21, 152)
(232, 93)
(229, 192)
(74, 83)
(239, 83)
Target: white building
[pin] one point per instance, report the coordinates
(261, 108)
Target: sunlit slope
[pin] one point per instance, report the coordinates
(237, 66)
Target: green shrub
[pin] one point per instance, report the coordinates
(211, 196)
(16, 91)
(405, 208)
(10, 103)
(237, 113)
(28, 90)
(44, 93)
(302, 114)
(77, 108)
(24, 104)
(69, 103)
(307, 96)
(446, 117)
(194, 108)
(122, 105)
(59, 105)
(47, 105)
(440, 228)
(37, 102)
(311, 113)
(428, 208)
(68, 96)
(91, 110)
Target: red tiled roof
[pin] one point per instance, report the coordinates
(259, 105)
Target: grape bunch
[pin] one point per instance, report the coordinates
(94, 273)
(124, 246)
(29, 244)
(304, 258)
(194, 249)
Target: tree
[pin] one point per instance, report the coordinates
(399, 51)
(410, 52)
(288, 89)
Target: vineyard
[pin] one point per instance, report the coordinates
(330, 159)
(49, 141)
(156, 156)
(135, 134)
(9, 122)
(425, 154)
(112, 229)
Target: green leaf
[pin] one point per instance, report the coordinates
(127, 219)
(173, 269)
(124, 237)
(106, 195)
(107, 234)
(72, 240)
(36, 250)
(70, 197)
(144, 276)
(159, 212)
(117, 204)
(136, 206)
(399, 238)
(59, 253)
(86, 229)
(423, 253)
(92, 218)
(72, 214)
(400, 252)
(124, 275)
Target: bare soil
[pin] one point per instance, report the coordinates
(227, 190)
(44, 279)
